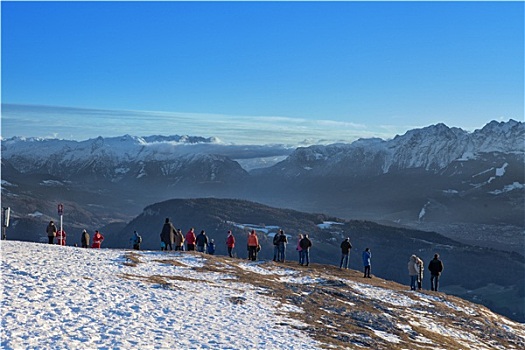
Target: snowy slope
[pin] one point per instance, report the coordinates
(73, 298)
(65, 298)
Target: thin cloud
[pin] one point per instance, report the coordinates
(83, 123)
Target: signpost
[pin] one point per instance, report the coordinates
(61, 214)
(6, 213)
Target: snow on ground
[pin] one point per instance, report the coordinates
(56, 297)
(328, 224)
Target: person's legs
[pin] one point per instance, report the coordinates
(307, 256)
(344, 261)
(434, 281)
(366, 272)
(275, 253)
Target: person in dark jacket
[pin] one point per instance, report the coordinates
(435, 267)
(283, 241)
(367, 256)
(84, 239)
(51, 232)
(275, 242)
(345, 252)
(305, 243)
(136, 240)
(167, 235)
(201, 241)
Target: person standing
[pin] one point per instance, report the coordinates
(84, 239)
(202, 241)
(253, 243)
(190, 240)
(415, 271)
(179, 240)
(51, 231)
(305, 244)
(420, 269)
(211, 247)
(345, 252)
(299, 249)
(275, 242)
(136, 240)
(283, 241)
(230, 243)
(167, 234)
(436, 267)
(97, 240)
(367, 256)
(61, 237)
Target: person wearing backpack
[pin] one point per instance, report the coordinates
(305, 244)
(345, 252)
(253, 246)
(51, 231)
(275, 241)
(136, 240)
(283, 241)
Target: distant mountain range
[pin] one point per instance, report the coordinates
(469, 187)
(435, 174)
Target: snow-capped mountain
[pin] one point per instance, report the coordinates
(432, 148)
(117, 159)
(435, 174)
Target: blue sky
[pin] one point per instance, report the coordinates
(285, 70)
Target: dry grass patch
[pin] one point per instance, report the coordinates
(132, 259)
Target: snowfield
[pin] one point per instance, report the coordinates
(60, 297)
(57, 297)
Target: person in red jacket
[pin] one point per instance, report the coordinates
(97, 240)
(253, 244)
(190, 240)
(61, 237)
(230, 243)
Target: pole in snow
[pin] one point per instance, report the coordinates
(6, 213)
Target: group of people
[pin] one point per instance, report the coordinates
(416, 268)
(346, 247)
(54, 234)
(173, 239)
